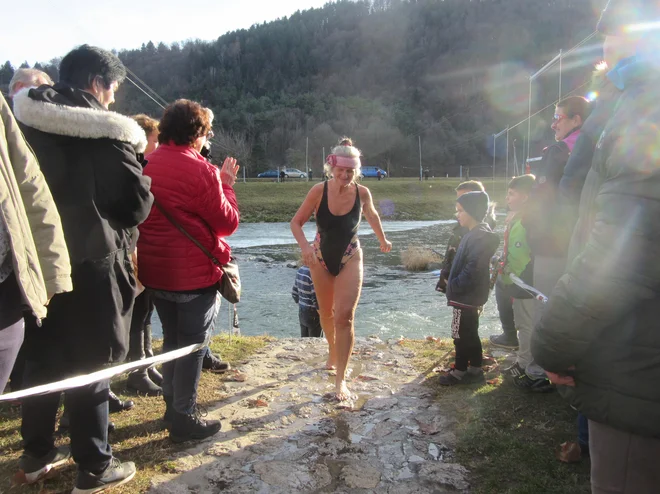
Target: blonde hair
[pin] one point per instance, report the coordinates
(347, 150)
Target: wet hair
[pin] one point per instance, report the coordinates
(523, 183)
(575, 105)
(346, 149)
(183, 122)
(81, 66)
(27, 77)
(148, 124)
(471, 186)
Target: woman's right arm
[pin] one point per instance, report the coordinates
(301, 217)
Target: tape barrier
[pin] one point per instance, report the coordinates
(537, 294)
(110, 372)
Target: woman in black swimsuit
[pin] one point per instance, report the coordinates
(335, 257)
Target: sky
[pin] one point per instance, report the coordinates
(47, 29)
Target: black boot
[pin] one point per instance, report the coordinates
(138, 381)
(117, 405)
(168, 418)
(191, 427)
(155, 376)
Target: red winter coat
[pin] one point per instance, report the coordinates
(189, 188)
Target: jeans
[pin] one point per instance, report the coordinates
(310, 323)
(12, 331)
(185, 323)
(583, 430)
(465, 330)
(505, 309)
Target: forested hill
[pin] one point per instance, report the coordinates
(383, 72)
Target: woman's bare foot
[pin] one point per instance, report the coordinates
(342, 393)
(330, 365)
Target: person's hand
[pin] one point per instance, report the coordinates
(229, 171)
(385, 246)
(441, 286)
(559, 379)
(308, 255)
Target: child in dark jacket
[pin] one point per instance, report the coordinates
(468, 287)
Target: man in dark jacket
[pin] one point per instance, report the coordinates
(599, 333)
(88, 157)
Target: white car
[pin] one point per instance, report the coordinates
(294, 173)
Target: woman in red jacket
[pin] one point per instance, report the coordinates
(181, 277)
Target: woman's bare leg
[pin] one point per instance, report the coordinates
(324, 285)
(348, 286)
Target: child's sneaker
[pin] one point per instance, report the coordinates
(542, 385)
(36, 469)
(514, 371)
(504, 341)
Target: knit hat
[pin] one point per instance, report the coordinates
(475, 204)
(618, 14)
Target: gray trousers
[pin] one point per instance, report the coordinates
(623, 463)
(547, 271)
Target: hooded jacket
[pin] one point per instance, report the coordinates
(88, 156)
(469, 280)
(40, 258)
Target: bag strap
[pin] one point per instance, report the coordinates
(183, 230)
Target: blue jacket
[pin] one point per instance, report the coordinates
(469, 280)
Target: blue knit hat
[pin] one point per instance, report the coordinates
(475, 204)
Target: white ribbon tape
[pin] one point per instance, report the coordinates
(110, 372)
(533, 291)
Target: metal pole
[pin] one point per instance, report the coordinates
(494, 157)
(507, 153)
(323, 164)
(420, 158)
(560, 67)
(244, 181)
(231, 314)
(306, 154)
(545, 67)
(529, 118)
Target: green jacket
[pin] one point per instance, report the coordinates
(41, 260)
(517, 253)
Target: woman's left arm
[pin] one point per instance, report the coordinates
(373, 218)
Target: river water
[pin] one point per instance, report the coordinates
(394, 301)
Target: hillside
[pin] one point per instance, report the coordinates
(385, 72)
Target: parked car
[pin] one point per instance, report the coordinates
(288, 173)
(294, 173)
(268, 174)
(372, 172)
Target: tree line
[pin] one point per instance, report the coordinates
(389, 73)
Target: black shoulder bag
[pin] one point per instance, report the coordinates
(229, 285)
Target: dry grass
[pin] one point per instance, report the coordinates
(417, 258)
(507, 438)
(140, 436)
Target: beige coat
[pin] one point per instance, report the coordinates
(41, 259)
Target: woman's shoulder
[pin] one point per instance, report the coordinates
(364, 192)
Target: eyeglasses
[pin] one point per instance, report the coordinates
(556, 118)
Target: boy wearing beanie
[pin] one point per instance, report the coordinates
(468, 287)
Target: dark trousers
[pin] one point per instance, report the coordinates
(139, 345)
(622, 463)
(87, 407)
(310, 323)
(185, 323)
(85, 330)
(583, 430)
(465, 331)
(505, 309)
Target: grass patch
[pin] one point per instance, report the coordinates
(507, 438)
(418, 258)
(140, 436)
(395, 198)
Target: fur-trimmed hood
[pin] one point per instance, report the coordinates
(69, 112)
